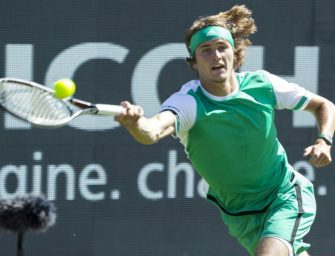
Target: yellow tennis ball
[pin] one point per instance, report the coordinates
(64, 88)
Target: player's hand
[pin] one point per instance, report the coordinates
(130, 115)
(319, 153)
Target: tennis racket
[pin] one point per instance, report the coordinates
(37, 104)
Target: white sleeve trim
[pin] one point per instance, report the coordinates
(288, 95)
(184, 106)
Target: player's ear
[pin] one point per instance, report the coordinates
(191, 62)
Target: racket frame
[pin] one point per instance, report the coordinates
(84, 107)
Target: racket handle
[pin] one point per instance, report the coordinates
(109, 110)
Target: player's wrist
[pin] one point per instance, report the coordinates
(326, 139)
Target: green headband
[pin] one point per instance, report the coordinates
(209, 33)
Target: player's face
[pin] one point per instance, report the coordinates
(214, 61)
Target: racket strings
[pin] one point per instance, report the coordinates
(33, 103)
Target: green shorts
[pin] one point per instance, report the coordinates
(288, 217)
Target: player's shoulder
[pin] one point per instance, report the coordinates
(183, 97)
(258, 74)
(186, 91)
(189, 87)
(254, 79)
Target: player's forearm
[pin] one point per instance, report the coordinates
(145, 131)
(325, 116)
(324, 112)
(319, 152)
(150, 130)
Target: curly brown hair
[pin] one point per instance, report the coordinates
(237, 20)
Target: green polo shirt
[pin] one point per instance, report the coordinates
(232, 141)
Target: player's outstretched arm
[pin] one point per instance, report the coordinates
(146, 130)
(324, 112)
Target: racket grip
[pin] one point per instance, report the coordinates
(108, 110)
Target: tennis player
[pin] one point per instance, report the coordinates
(225, 120)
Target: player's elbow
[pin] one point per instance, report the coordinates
(149, 140)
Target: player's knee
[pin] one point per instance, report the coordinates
(269, 246)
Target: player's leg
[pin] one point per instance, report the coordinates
(304, 254)
(273, 246)
(245, 228)
(291, 215)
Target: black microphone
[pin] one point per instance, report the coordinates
(23, 213)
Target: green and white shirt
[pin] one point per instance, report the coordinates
(232, 140)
